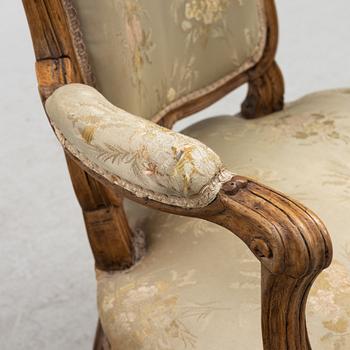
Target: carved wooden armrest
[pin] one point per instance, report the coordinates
(293, 247)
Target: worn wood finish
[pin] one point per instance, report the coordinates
(53, 73)
(111, 240)
(50, 22)
(293, 249)
(292, 245)
(102, 225)
(265, 94)
(60, 61)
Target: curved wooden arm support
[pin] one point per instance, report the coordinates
(286, 237)
(289, 240)
(293, 247)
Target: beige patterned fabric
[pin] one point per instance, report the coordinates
(137, 154)
(152, 55)
(198, 287)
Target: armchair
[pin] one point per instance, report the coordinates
(173, 277)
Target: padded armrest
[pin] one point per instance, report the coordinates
(134, 153)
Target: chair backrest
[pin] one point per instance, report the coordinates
(151, 55)
(165, 58)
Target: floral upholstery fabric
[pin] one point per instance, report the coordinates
(151, 55)
(137, 154)
(198, 287)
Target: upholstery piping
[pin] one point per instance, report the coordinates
(206, 195)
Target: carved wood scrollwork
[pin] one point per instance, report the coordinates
(293, 247)
(265, 94)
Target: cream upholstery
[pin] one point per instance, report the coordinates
(137, 154)
(198, 287)
(150, 55)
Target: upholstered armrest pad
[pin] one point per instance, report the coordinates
(137, 154)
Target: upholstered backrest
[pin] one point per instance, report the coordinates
(150, 56)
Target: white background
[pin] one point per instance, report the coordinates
(47, 288)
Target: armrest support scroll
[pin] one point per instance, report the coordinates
(293, 247)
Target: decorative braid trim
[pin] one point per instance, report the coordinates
(78, 42)
(206, 195)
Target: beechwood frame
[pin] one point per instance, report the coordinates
(289, 240)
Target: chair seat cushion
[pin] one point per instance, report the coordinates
(198, 287)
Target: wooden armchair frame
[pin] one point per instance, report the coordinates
(290, 241)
